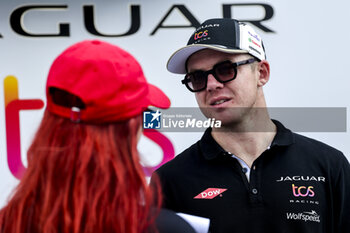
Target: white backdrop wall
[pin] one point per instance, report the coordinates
(308, 52)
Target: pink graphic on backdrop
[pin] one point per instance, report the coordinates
(13, 106)
(166, 146)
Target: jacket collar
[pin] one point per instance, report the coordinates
(211, 149)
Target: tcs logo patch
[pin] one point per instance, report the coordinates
(303, 191)
(199, 35)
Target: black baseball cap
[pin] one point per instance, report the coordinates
(223, 34)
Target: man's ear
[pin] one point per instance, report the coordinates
(263, 72)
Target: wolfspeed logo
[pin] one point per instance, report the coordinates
(305, 216)
(210, 193)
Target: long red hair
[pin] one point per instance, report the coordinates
(81, 178)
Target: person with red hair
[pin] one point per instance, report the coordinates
(84, 173)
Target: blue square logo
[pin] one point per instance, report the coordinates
(152, 119)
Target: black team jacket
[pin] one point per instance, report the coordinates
(298, 185)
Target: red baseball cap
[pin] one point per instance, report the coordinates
(108, 80)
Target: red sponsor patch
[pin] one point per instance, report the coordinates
(210, 193)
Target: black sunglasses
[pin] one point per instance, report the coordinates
(223, 72)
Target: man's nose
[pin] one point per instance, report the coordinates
(213, 84)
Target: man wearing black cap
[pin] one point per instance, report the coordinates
(252, 174)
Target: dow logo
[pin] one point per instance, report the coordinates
(152, 119)
(210, 193)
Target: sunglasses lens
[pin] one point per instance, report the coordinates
(196, 80)
(225, 71)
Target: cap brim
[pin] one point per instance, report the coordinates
(157, 97)
(177, 62)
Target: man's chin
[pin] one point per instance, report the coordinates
(226, 119)
(230, 118)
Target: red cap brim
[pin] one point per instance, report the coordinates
(158, 98)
